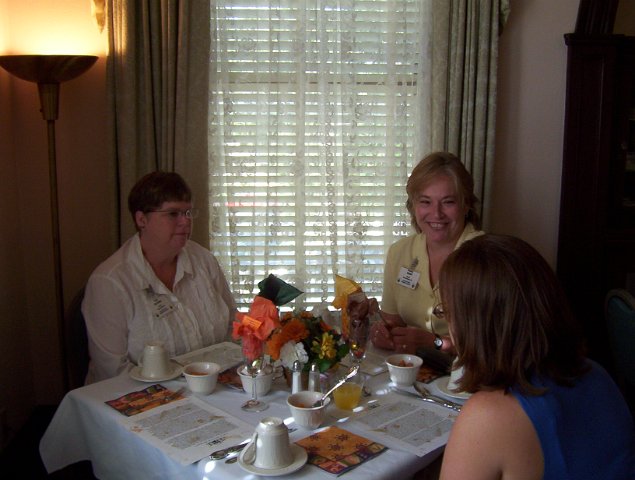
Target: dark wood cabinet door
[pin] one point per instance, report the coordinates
(596, 243)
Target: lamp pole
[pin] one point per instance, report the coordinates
(48, 71)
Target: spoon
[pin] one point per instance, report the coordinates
(351, 373)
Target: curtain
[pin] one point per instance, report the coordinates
(157, 86)
(319, 111)
(465, 64)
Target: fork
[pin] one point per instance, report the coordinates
(425, 393)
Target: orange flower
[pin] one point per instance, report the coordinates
(260, 322)
(293, 330)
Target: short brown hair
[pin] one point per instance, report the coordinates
(153, 189)
(443, 163)
(508, 316)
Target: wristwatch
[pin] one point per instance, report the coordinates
(438, 342)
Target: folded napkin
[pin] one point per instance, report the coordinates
(277, 290)
(136, 402)
(337, 451)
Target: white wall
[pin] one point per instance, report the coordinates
(530, 122)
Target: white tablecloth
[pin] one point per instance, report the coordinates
(85, 428)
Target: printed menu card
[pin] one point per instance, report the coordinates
(408, 424)
(188, 429)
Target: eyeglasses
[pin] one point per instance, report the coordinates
(437, 311)
(176, 214)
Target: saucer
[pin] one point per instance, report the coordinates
(299, 459)
(442, 385)
(136, 374)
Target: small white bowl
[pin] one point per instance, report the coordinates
(263, 381)
(403, 368)
(304, 415)
(201, 377)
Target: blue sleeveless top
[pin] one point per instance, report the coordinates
(586, 431)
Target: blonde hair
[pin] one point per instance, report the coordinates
(443, 163)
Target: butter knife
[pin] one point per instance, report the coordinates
(430, 398)
(224, 452)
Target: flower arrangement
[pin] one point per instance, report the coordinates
(255, 327)
(308, 339)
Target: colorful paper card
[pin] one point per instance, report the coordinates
(143, 400)
(337, 451)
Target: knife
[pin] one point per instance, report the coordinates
(224, 452)
(432, 399)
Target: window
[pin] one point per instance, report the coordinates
(316, 120)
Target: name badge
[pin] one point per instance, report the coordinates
(408, 278)
(161, 305)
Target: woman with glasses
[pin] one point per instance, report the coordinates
(442, 208)
(539, 409)
(159, 286)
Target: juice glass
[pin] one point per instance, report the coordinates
(347, 395)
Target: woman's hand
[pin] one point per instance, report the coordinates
(380, 332)
(408, 339)
(380, 336)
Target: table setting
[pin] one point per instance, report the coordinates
(228, 411)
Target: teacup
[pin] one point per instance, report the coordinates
(455, 376)
(269, 447)
(304, 414)
(201, 377)
(154, 361)
(403, 368)
(263, 380)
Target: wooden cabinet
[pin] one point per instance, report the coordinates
(596, 244)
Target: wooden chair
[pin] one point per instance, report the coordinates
(76, 342)
(619, 309)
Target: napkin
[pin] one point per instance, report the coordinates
(337, 451)
(276, 290)
(344, 287)
(136, 402)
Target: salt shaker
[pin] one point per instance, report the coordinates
(314, 378)
(296, 382)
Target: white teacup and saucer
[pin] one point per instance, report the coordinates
(269, 453)
(154, 365)
(448, 385)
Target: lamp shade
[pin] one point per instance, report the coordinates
(47, 68)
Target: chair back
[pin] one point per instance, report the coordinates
(76, 342)
(620, 321)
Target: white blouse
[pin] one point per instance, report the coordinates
(126, 306)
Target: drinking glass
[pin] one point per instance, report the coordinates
(358, 339)
(254, 368)
(348, 395)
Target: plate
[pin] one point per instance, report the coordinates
(442, 385)
(136, 374)
(299, 459)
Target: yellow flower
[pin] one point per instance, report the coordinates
(325, 348)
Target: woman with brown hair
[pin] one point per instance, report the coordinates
(539, 408)
(159, 286)
(442, 208)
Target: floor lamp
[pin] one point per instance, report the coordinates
(48, 71)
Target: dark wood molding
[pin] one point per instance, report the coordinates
(596, 16)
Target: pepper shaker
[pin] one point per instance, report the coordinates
(314, 378)
(296, 382)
